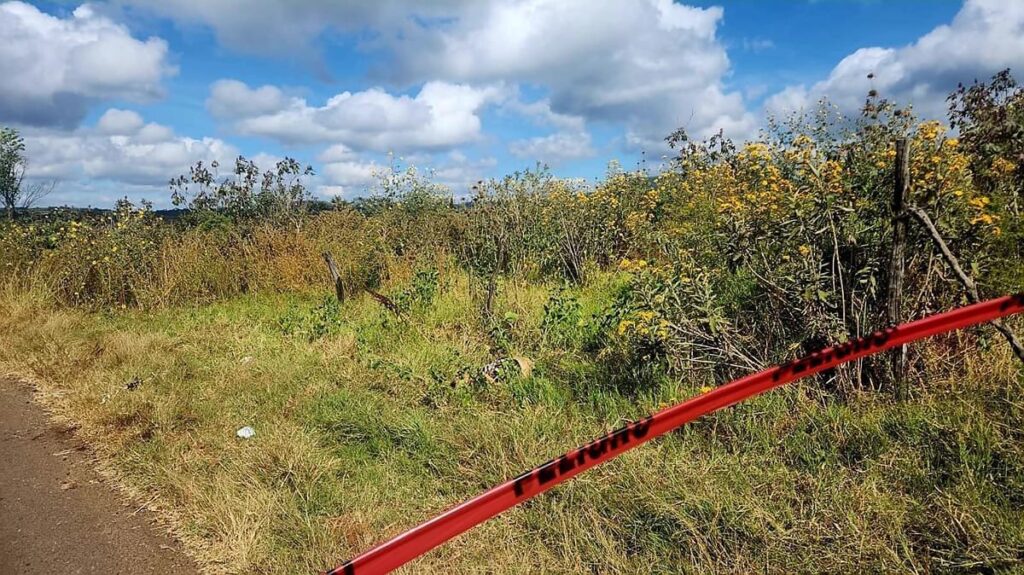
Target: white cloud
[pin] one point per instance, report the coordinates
(345, 173)
(54, 68)
(652, 65)
(119, 149)
(555, 148)
(351, 176)
(459, 173)
(540, 112)
(336, 153)
(984, 37)
(233, 99)
(441, 115)
(116, 122)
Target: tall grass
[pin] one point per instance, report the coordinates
(376, 425)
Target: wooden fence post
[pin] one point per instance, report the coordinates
(339, 288)
(894, 294)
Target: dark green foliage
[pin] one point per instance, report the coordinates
(421, 293)
(563, 323)
(322, 320)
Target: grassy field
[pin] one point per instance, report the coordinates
(367, 424)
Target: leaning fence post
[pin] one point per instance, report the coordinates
(339, 288)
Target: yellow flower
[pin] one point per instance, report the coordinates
(980, 201)
(706, 388)
(804, 249)
(1003, 166)
(929, 130)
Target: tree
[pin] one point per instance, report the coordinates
(14, 192)
(12, 168)
(990, 119)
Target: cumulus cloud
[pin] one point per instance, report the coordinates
(440, 116)
(553, 149)
(460, 173)
(116, 122)
(120, 148)
(344, 172)
(984, 37)
(540, 113)
(653, 65)
(54, 68)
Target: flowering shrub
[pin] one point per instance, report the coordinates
(672, 316)
(788, 238)
(87, 260)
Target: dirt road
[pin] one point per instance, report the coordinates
(56, 513)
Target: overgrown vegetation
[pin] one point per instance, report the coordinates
(478, 339)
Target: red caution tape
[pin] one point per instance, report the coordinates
(409, 545)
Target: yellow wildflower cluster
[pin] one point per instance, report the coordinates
(629, 265)
(83, 256)
(980, 213)
(930, 130)
(651, 199)
(636, 220)
(758, 187)
(1003, 167)
(644, 324)
(937, 167)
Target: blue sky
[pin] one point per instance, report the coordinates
(116, 98)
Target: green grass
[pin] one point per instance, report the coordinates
(380, 424)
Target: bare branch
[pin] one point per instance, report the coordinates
(33, 193)
(969, 286)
